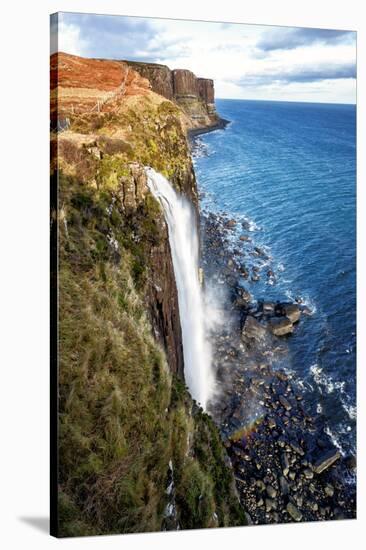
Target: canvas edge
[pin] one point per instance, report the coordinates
(54, 531)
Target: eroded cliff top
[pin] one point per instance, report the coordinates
(78, 84)
(81, 85)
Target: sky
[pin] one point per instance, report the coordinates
(246, 61)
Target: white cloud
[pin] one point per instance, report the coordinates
(231, 54)
(69, 39)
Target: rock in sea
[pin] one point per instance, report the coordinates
(293, 312)
(285, 403)
(253, 329)
(326, 460)
(268, 308)
(281, 327)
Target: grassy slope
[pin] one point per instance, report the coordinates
(122, 414)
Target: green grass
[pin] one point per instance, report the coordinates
(122, 415)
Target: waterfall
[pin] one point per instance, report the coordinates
(183, 239)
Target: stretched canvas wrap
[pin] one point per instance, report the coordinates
(203, 369)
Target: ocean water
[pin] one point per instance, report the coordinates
(289, 170)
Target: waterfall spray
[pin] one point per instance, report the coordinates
(183, 239)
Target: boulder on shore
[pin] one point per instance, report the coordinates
(253, 329)
(281, 326)
(326, 460)
(292, 312)
(268, 308)
(294, 512)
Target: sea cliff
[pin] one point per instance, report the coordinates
(196, 96)
(135, 453)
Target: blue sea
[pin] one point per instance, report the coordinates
(289, 169)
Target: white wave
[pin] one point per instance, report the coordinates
(335, 440)
(305, 300)
(325, 381)
(351, 410)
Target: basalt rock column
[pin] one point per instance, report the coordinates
(206, 92)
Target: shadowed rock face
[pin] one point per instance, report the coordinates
(185, 84)
(161, 292)
(195, 95)
(159, 76)
(206, 90)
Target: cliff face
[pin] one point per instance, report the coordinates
(124, 410)
(195, 95)
(160, 291)
(159, 76)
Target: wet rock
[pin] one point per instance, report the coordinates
(292, 312)
(285, 464)
(281, 326)
(326, 460)
(230, 224)
(268, 308)
(243, 299)
(309, 474)
(244, 272)
(338, 514)
(249, 519)
(294, 512)
(351, 462)
(271, 491)
(285, 403)
(270, 504)
(245, 238)
(292, 475)
(271, 423)
(296, 447)
(283, 486)
(299, 500)
(261, 486)
(253, 329)
(260, 252)
(329, 490)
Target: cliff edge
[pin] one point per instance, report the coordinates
(196, 96)
(128, 428)
(79, 86)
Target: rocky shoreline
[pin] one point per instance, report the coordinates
(219, 125)
(285, 465)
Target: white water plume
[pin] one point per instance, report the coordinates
(183, 239)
